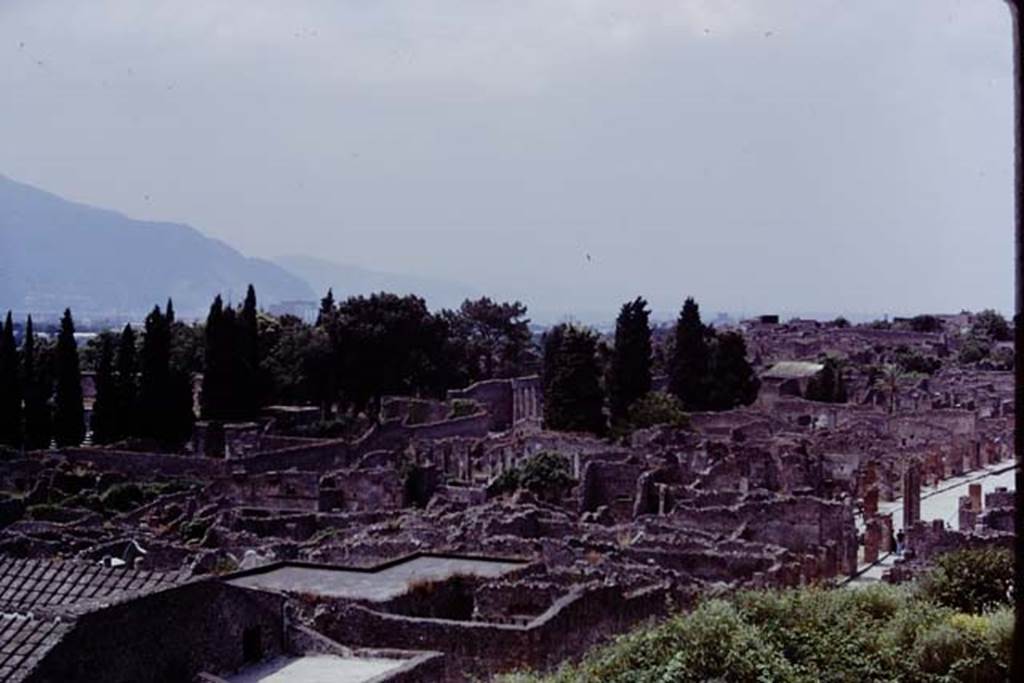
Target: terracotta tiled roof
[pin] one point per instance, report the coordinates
(29, 585)
(24, 641)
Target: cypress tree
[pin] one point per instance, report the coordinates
(630, 374)
(551, 344)
(223, 367)
(169, 313)
(10, 388)
(688, 372)
(181, 418)
(69, 412)
(248, 355)
(104, 408)
(127, 416)
(154, 377)
(574, 399)
(327, 309)
(38, 388)
(733, 382)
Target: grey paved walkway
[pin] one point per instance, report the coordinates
(937, 502)
(317, 669)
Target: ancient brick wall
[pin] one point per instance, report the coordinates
(566, 630)
(167, 637)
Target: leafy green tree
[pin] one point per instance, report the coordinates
(733, 382)
(690, 364)
(631, 360)
(575, 400)
(492, 339)
(992, 325)
(104, 410)
(841, 323)
(69, 411)
(387, 344)
(10, 388)
(38, 384)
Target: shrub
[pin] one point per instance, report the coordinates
(122, 497)
(545, 474)
(973, 350)
(971, 581)
(658, 408)
(879, 633)
(463, 407)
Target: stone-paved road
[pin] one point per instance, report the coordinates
(939, 502)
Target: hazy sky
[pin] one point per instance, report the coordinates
(782, 155)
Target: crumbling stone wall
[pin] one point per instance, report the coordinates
(168, 636)
(358, 490)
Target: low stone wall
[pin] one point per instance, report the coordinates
(318, 457)
(145, 466)
(275, 490)
(361, 490)
(477, 650)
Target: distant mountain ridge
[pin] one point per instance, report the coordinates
(348, 280)
(55, 253)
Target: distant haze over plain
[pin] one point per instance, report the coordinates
(780, 156)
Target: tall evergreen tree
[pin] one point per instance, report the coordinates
(574, 400)
(104, 408)
(222, 397)
(248, 356)
(69, 411)
(688, 372)
(169, 313)
(630, 373)
(733, 382)
(127, 416)
(551, 345)
(181, 416)
(327, 309)
(10, 388)
(154, 377)
(38, 388)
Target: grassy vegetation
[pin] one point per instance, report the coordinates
(880, 633)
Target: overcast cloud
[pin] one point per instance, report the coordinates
(782, 155)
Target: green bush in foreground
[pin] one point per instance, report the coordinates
(971, 580)
(880, 633)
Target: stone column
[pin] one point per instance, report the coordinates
(872, 536)
(968, 515)
(911, 494)
(974, 491)
(885, 523)
(871, 503)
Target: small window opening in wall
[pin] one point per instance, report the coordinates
(252, 644)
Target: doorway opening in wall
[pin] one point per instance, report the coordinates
(252, 645)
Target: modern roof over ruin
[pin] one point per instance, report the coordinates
(792, 370)
(385, 583)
